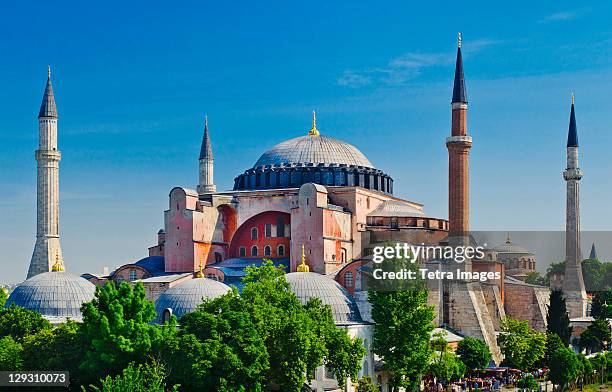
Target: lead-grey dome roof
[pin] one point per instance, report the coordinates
(313, 149)
(56, 295)
(185, 297)
(307, 285)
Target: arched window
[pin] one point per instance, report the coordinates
(242, 251)
(213, 277)
(343, 254)
(348, 279)
(267, 250)
(166, 315)
(133, 275)
(254, 233)
(254, 250)
(281, 250)
(218, 257)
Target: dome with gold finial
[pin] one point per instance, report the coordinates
(315, 158)
(57, 295)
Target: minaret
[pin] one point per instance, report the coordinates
(47, 249)
(458, 145)
(573, 281)
(593, 254)
(207, 167)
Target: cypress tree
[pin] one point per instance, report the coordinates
(557, 318)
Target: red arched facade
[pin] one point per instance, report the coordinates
(268, 230)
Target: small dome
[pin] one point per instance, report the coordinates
(307, 285)
(185, 297)
(511, 247)
(56, 295)
(313, 149)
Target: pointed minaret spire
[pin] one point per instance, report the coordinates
(593, 255)
(48, 107)
(206, 149)
(459, 92)
(572, 134)
(206, 184)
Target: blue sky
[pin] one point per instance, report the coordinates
(133, 82)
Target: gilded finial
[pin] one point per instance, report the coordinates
(200, 274)
(49, 71)
(303, 267)
(314, 131)
(572, 97)
(59, 265)
(459, 40)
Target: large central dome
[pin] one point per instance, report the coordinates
(313, 159)
(313, 149)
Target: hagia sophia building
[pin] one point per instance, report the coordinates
(312, 204)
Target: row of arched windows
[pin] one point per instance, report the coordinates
(280, 251)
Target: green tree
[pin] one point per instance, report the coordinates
(553, 343)
(59, 348)
(296, 342)
(602, 303)
(535, 278)
(11, 354)
(218, 348)
(19, 322)
(565, 367)
(116, 328)
(474, 353)
(365, 384)
(447, 367)
(596, 336)
(522, 346)
(149, 377)
(527, 383)
(597, 275)
(557, 318)
(403, 324)
(3, 296)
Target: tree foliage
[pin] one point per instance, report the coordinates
(557, 318)
(534, 277)
(11, 354)
(218, 349)
(474, 353)
(403, 324)
(597, 274)
(594, 336)
(602, 304)
(564, 367)
(553, 343)
(365, 384)
(522, 346)
(149, 377)
(116, 328)
(3, 297)
(19, 322)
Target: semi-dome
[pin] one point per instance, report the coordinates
(57, 295)
(313, 159)
(307, 285)
(313, 149)
(185, 297)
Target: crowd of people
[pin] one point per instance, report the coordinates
(490, 380)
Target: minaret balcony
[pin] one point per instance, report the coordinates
(461, 140)
(572, 174)
(48, 155)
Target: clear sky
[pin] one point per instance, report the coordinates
(134, 80)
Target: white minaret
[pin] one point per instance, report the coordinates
(47, 249)
(207, 161)
(573, 282)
